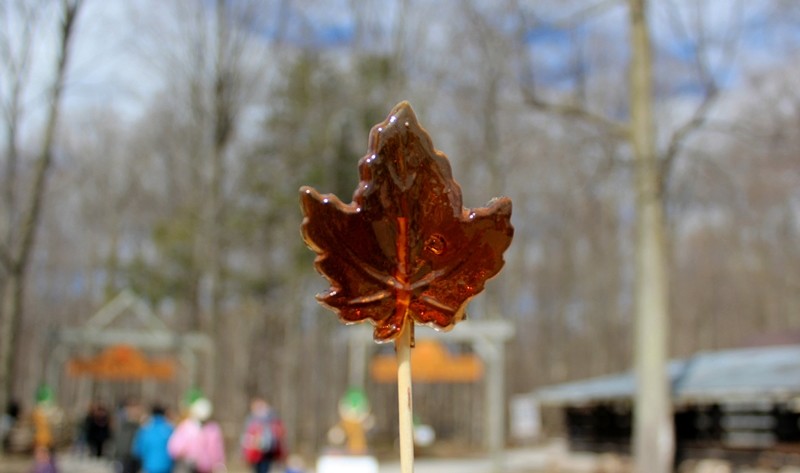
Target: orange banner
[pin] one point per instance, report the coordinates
(122, 362)
(430, 362)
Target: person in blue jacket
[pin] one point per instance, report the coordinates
(150, 443)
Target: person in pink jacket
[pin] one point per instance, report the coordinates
(197, 444)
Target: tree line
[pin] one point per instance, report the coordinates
(187, 194)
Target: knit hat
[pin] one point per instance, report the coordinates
(201, 409)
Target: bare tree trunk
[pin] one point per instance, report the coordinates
(653, 431)
(221, 133)
(16, 259)
(225, 110)
(10, 331)
(10, 181)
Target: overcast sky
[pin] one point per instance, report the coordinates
(110, 64)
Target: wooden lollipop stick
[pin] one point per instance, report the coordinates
(404, 398)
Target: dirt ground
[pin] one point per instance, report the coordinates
(547, 459)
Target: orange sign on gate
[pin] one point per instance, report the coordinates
(430, 362)
(122, 362)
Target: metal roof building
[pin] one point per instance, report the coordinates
(748, 374)
(741, 404)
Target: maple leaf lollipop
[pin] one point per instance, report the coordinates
(405, 247)
(405, 250)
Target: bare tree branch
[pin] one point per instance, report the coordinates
(14, 285)
(617, 129)
(678, 140)
(707, 79)
(5, 258)
(590, 12)
(33, 209)
(17, 67)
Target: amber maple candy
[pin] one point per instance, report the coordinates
(405, 247)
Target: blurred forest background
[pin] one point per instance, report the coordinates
(185, 128)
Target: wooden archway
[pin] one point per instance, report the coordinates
(488, 340)
(115, 341)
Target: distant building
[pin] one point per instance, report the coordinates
(742, 404)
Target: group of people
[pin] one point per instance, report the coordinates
(196, 444)
(155, 444)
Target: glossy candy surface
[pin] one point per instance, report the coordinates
(405, 247)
